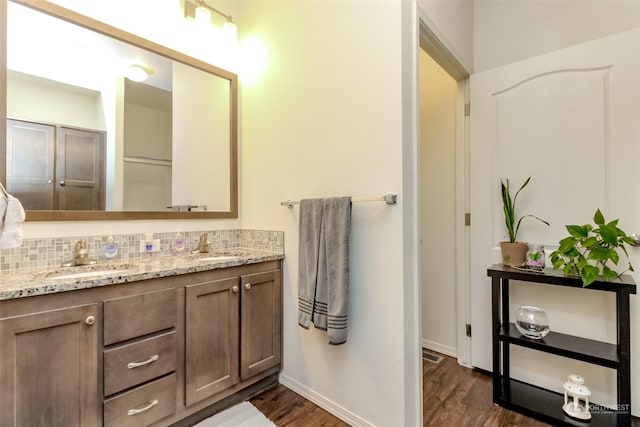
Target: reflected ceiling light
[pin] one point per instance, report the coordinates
(137, 73)
(200, 11)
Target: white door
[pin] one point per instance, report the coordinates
(570, 119)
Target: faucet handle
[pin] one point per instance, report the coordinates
(80, 245)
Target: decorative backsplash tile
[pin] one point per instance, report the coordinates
(51, 252)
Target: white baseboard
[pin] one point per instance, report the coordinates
(326, 404)
(444, 349)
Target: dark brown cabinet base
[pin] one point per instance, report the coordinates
(149, 353)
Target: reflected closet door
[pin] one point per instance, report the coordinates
(30, 163)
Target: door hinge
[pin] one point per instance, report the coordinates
(467, 109)
(468, 330)
(467, 219)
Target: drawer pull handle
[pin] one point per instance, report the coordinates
(247, 286)
(152, 359)
(151, 404)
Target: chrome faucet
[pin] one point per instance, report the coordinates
(204, 246)
(80, 256)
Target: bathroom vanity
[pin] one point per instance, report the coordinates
(161, 342)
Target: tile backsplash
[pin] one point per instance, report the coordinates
(51, 252)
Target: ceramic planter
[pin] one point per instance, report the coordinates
(513, 254)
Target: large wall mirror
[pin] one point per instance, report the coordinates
(83, 140)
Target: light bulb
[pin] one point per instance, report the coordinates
(202, 16)
(230, 31)
(136, 73)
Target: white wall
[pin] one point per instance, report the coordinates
(453, 24)
(46, 101)
(508, 31)
(438, 93)
(325, 119)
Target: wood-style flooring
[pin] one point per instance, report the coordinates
(452, 396)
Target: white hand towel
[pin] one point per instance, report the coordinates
(11, 234)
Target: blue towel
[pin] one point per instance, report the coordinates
(323, 271)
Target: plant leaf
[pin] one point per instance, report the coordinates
(613, 256)
(577, 231)
(608, 273)
(558, 263)
(589, 274)
(519, 190)
(598, 218)
(589, 242)
(598, 253)
(566, 244)
(609, 234)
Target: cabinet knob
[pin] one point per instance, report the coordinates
(235, 288)
(90, 320)
(247, 286)
(50, 181)
(62, 183)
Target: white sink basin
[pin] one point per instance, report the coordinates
(217, 258)
(86, 274)
(89, 271)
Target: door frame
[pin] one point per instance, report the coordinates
(432, 43)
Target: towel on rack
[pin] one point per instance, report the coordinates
(323, 287)
(11, 229)
(308, 251)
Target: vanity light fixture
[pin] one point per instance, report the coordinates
(137, 73)
(200, 11)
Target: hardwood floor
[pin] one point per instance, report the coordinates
(287, 408)
(452, 396)
(457, 396)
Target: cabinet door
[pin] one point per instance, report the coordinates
(211, 353)
(261, 322)
(49, 368)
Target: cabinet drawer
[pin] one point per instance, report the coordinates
(131, 317)
(139, 362)
(143, 405)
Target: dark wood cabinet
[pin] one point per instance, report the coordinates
(233, 332)
(260, 325)
(211, 352)
(153, 352)
(49, 368)
(540, 403)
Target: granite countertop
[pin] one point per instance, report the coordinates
(25, 283)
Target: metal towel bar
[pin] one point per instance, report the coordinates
(389, 198)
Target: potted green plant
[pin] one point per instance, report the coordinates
(513, 252)
(589, 250)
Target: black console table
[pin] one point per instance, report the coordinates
(540, 403)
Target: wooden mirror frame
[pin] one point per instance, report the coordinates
(118, 34)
